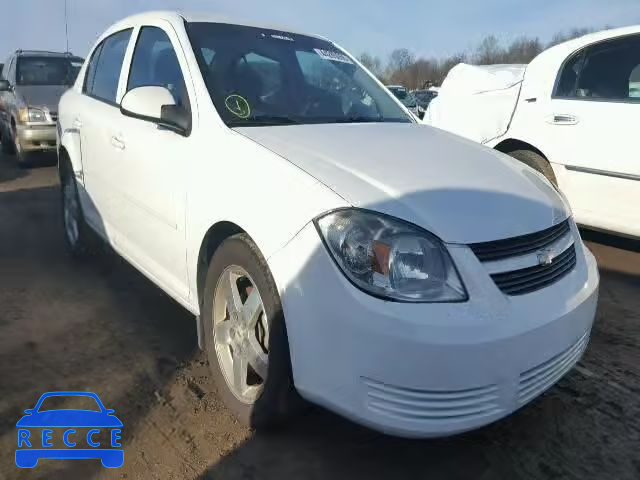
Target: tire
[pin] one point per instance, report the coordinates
(537, 162)
(276, 399)
(79, 241)
(22, 157)
(6, 143)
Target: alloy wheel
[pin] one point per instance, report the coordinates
(241, 333)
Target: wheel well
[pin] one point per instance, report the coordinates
(214, 237)
(512, 144)
(64, 162)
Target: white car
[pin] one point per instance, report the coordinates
(329, 245)
(571, 114)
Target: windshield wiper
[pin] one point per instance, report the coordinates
(358, 119)
(262, 120)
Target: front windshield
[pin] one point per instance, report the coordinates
(257, 76)
(47, 70)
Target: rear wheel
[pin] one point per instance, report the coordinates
(245, 336)
(537, 162)
(76, 232)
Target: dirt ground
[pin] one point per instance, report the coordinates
(102, 327)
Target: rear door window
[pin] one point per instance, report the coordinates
(103, 82)
(610, 71)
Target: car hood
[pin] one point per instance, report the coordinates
(69, 418)
(459, 190)
(42, 95)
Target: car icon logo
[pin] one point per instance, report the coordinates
(38, 428)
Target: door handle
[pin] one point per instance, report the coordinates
(562, 119)
(77, 123)
(117, 142)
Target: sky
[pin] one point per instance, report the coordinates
(427, 28)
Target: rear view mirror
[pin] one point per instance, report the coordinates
(156, 105)
(5, 86)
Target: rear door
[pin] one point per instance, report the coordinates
(97, 119)
(594, 118)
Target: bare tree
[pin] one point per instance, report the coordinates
(400, 59)
(373, 64)
(405, 69)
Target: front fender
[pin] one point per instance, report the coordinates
(259, 191)
(69, 140)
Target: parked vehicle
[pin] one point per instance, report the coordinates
(424, 97)
(407, 99)
(571, 114)
(330, 247)
(31, 85)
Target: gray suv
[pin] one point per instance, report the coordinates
(31, 85)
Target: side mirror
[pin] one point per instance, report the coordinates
(5, 86)
(156, 105)
(29, 411)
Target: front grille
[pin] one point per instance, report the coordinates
(521, 245)
(530, 279)
(431, 406)
(538, 379)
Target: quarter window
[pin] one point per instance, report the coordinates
(5, 69)
(569, 78)
(91, 70)
(102, 80)
(155, 64)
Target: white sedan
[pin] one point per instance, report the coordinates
(329, 246)
(571, 114)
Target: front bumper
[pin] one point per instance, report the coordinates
(426, 370)
(34, 138)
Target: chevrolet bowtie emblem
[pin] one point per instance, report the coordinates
(545, 257)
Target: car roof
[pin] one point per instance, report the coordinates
(558, 53)
(177, 16)
(44, 53)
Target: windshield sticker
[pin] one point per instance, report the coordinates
(282, 37)
(333, 55)
(238, 105)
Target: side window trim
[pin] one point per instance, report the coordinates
(100, 46)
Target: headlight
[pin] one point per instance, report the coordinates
(31, 115)
(390, 258)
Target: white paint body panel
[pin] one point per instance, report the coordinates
(155, 200)
(602, 138)
(422, 351)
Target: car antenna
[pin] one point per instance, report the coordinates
(66, 25)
